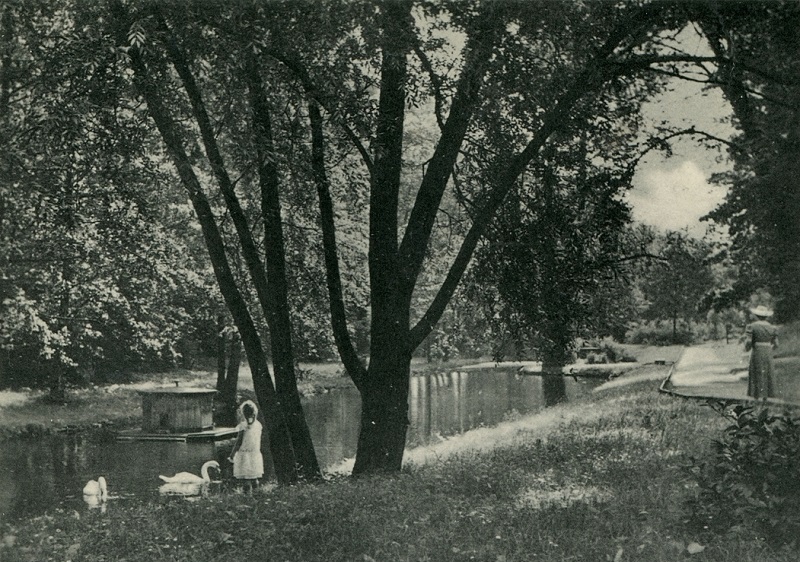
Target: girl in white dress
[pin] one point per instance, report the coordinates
(248, 464)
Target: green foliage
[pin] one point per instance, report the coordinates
(594, 358)
(762, 205)
(554, 257)
(675, 287)
(752, 480)
(661, 333)
(614, 352)
(99, 261)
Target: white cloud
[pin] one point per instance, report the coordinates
(673, 195)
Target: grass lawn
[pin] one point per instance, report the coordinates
(603, 479)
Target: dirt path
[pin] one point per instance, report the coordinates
(718, 370)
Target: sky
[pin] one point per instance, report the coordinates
(673, 193)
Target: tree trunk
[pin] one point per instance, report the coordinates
(229, 358)
(675, 329)
(234, 362)
(554, 389)
(384, 394)
(384, 418)
(277, 309)
(230, 386)
(220, 353)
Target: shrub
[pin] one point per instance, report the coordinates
(752, 481)
(593, 358)
(660, 333)
(614, 352)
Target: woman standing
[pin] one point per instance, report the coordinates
(760, 338)
(248, 464)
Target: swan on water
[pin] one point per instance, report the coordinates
(96, 488)
(189, 478)
(185, 489)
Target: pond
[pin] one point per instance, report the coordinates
(36, 475)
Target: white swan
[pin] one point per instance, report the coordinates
(189, 478)
(183, 489)
(96, 488)
(95, 493)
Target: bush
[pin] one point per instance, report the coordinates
(595, 358)
(660, 333)
(614, 352)
(752, 481)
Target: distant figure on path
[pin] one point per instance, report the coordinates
(248, 464)
(760, 338)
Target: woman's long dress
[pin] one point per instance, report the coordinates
(761, 336)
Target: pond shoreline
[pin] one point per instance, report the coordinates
(117, 406)
(612, 464)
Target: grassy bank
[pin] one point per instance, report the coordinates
(601, 479)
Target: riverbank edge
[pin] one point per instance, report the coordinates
(613, 465)
(116, 407)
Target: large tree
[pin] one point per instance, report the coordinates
(675, 288)
(522, 71)
(761, 81)
(98, 272)
(177, 49)
(228, 88)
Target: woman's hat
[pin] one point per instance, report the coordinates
(761, 310)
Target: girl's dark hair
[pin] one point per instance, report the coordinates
(248, 411)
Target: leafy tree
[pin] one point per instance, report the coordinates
(229, 89)
(760, 80)
(525, 67)
(98, 273)
(675, 287)
(561, 244)
(225, 75)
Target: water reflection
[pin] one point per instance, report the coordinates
(39, 474)
(440, 405)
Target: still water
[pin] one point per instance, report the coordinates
(36, 475)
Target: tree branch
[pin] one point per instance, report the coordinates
(594, 74)
(249, 250)
(436, 84)
(341, 335)
(313, 92)
(434, 182)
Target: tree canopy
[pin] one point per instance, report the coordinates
(292, 132)
(760, 80)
